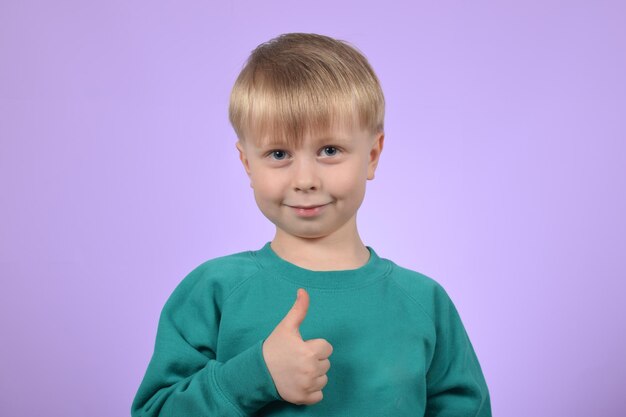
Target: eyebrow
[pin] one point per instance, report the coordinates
(321, 139)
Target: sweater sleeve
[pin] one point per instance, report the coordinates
(455, 382)
(184, 378)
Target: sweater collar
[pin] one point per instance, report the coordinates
(375, 269)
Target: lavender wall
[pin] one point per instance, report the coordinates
(503, 177)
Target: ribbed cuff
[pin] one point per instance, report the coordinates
(245, 380)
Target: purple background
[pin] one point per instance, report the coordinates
(503, 177)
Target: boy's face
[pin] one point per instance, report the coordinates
(329, 171)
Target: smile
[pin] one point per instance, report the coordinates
(309, 212)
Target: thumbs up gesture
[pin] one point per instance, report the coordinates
(297, 367)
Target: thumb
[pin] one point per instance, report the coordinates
(296, 315)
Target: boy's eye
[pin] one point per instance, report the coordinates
(331, 147)
(279, 153)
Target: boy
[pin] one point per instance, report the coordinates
(308, 112)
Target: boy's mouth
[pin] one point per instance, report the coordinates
(309, 207)
(309, 211)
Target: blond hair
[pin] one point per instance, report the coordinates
(299, 83)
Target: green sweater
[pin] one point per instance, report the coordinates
(399, 346)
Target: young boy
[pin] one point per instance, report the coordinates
(364, 337)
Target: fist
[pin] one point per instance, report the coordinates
(298, 367)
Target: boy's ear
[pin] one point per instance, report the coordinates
(377, 148)
(242, 157)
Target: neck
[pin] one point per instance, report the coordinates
(321, 254)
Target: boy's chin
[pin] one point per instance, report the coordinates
(302, 233)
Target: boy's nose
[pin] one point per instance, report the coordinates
(306, 175)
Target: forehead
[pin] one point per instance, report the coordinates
(307, 140)
(343, 135)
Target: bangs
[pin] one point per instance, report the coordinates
(287, 115)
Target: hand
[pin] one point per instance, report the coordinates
(298, 367)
